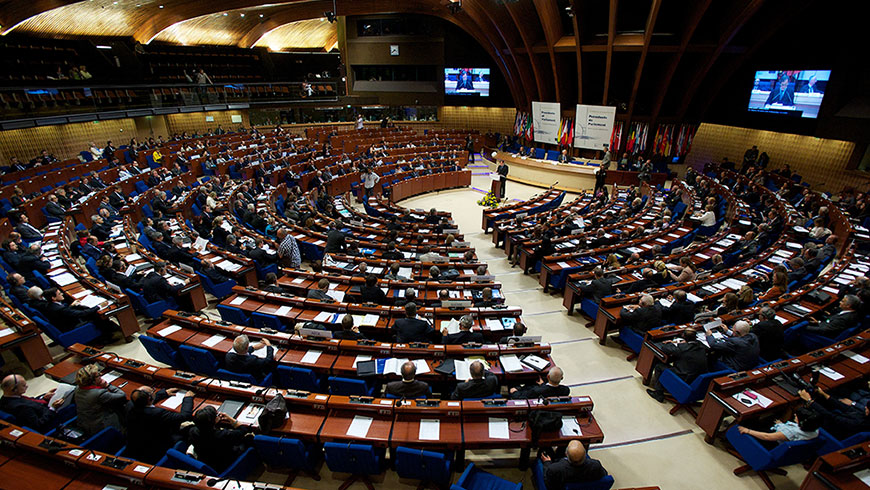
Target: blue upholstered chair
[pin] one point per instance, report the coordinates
(360, 460)
(293, 454)
(763, 460)
(349, 386)
(474, 478)
(298, 378)
(199, 360)
(161, 351)
(239, 469)
(233, 315)
(538, 480)
(685, 394)
(429, 467)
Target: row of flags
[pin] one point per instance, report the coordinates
(670, 139)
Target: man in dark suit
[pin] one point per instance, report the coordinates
(29, 412)
(599, 287)
(27, 231)
(770, 334)
(155, 287)
(210, 271)
(688, 359)
(18, 289)
(31, 260)
(413, 329)
(241, 358)
(348, 331)
(65, 317)
(84, 187)
(335, 238)
(271, 281)
(408, 387)
(159, 203)
(542, 389)
(151, 430)
(464, 335)
(482, 383)
(642, 285)
(502, 172)
(391, 253)
(796, 269)
(320, 292)
(832, 326)
(740, 351)
(100, 228)
(116, 198)
(53, 209)
(371, 293)
(839, 418)
(647, 314)
(575, 467)
(681, 310)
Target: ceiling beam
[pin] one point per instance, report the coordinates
(647, 38)
(578, 51)
(727, 35)
(611, 34)
(548, 13)
(520, 26)
(525, 85)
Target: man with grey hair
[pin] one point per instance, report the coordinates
(771, 336)
(847, 318)
(482, 383)
(464, 335)
(408, 386)
(543, 389)
(645, 315)
(410, 296)
(243, 358)
(740, 351)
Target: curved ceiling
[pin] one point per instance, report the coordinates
(656, 59)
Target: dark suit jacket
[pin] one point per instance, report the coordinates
(28, 232)
(348, 335)
(318, 294)
(215, 275)
(19, 292)
(464, 337)
(29, 412)
(559, 473)
(152, 430)
(415, 330)
(738, 353)
(156, 288)
(334, 241)
(841, 420)
(679, 313)
(476, 388)
(598, 289)
(540, 391)
(770, 338)
(642, 319)
(413, 389)
(117, 200)
(834, 324)
(59, 314)
(688, 359)
(55, 210)
(373, 295)
(262, 257)
(273, 288)
(250, 364)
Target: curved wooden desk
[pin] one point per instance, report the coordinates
(543, 173)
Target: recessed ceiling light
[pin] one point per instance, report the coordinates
(161, 6)
(261, 16)
(226, 14)
(242, 15)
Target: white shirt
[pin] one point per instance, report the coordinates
(708, 218)
(370, 180)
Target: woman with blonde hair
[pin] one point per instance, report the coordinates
(98, 404)
(612, 262)
(687, 271)
(745, 296)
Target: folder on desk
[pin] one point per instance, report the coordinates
(367, 368)
(447, 367)
(231, 407)
(535, 362)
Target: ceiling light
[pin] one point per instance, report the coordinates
(242, 15)
(261, 16)
(226, 14)
(103, 46)
(161, 6)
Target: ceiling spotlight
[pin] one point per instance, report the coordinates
(330, 16)
(226, 14)
(161, 6)
(242, 15)
(261, 16)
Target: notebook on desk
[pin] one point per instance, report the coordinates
(231, 407)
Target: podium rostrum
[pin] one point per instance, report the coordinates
(496, 184)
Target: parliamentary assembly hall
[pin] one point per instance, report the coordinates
(434, 244)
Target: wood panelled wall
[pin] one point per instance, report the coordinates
(821, 162)
(483, 119)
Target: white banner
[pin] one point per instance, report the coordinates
(593, 126)
(546, 117)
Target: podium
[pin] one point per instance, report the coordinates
(495, 188)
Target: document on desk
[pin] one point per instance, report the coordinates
(511, 363)
(421, 365)
(370, 320)
(494, 324)
(336, 295)
(92, 300)
(168, 330)
(283, 311)
(462, 372)
(830, 373)
(110, 376)
(64, 279)
(174, 401)
(359, 426)
(6, 331)
(361, 358)
(324, 316)
(864, 476)
(213, 340)
(238, 300)
(261, 352)
(406, 272)
(393, 365)
(430, 430)
(563, 265)
(311, 356)
(570, 427)
(250, 415)
(298, 280)
(855, 356)
(498, 428)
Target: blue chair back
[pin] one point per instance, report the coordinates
(244, 378)
(221, 290)
(199, 360)
(348, 387)
(233, 315)
(298, 378)
(262, 320)
(604, 483)
(427, 466)
(109, 440)
(356, 459)
(283, 452)
(161, 351)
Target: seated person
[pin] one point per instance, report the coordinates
(427, 256)
(779, 286)
(29, 412)
(718, 263)
(645, 315)
(112, 272)
(598, 287)
(65, 317)
(371, 293)
(575, 467)
(217, 438)
(686, 271)
(361, 270)
(681, 310)
(348, 331)
(208, 269)
(832, 326)
(98, 404)
(839, 418)
(641, 285)
(542, 389)
(151, 430)
(688, 358)
(320, 292)
(393, 274)
(443, 295)
(771, 336)
(271, 284)
(434, 273)
(486, 300)
(519, 330)
(410, 296)
(413, 329)
(155, 287)
(740, 351)
(17, 288)
(260, 255)
(482, 383)
(803, 426)
(408, 387)
(464, 335)
(241, 358)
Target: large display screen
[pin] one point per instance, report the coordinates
(791, 93)
(466, 81)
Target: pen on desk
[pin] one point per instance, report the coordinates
(122, 384)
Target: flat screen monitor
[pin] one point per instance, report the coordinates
(790, 93)
(466, 81)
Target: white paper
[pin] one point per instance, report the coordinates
(498, 428)
(430, 430)
(370, 319)
(298, 280)
(168, 330)
(173, 401)
(451, 325)
(250, 415)
(324, 316)
(6, 331)
(261, 352)
(422, 366)
(283, 311)
(336, 295)
(570, 427)
(213, 340)
(848, 353)
(110, 376)
(361, 358)
(510, 363)
(461, 368)
(830, 373)
(92, 300)
(864, 476)
(311, 356)
(494, 324)
(238, 300)
(359, 427)
(60, 392)
(64, 279)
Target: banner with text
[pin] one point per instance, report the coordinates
(593, 126)
(546, 117)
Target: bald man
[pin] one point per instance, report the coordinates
(408, 387)
(30, 412)
(482, 383)
(740, 351)
(543, 389)
(575, 467)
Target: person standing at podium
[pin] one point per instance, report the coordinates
(502, 171)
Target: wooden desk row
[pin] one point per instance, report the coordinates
(846, 469)
(535, 204)
(20, 334)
